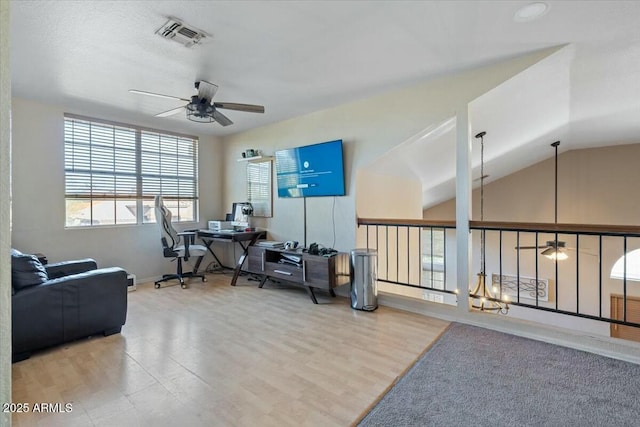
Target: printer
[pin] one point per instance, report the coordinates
(219, 225)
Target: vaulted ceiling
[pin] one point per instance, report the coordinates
(296, 57)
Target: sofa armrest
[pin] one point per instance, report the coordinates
(66, 268)
(36, 317)
(94, 301)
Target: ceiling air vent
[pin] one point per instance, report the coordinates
(175, 30)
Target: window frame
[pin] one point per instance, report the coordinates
(262, 206)
(186, 166)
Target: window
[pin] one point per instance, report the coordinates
(433, 246)
(113, 171)
(259, 187)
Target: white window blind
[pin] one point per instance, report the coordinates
(259, 187)
(113, 171)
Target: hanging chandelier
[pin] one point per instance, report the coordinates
(485, 298)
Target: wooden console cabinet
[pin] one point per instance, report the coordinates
(313, 271)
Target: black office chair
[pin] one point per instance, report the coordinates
(172, 248)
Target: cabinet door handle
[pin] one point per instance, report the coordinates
(262, 258)
(304, 270)
(286, 273)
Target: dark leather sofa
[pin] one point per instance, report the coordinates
(61, 302)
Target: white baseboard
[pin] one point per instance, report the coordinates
(606, 346)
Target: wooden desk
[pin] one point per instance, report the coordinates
(246, 239)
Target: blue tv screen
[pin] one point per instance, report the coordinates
(311, 171)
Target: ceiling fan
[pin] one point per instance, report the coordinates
(555, 250)
(201, 108)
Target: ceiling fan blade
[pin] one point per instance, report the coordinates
(171, 112)
(584, 251)
(157, 95)
(249, 108)
(221, 118)
(530, 247)
(206, 90)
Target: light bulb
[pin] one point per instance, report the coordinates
(554, 254)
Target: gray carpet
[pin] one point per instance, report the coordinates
(504, 380)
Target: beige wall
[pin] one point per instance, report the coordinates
(369, 128)
(595, 186)
(39, 206)
(397, 197)
(400, 198)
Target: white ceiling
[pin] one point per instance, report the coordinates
(296, 57)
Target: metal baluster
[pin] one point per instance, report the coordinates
(577, 273)
(537, 268)
(624, 283)
(600, 275)
(500, 262)
(518, 267)
(444, 258)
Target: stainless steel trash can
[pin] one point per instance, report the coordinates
(364, 279)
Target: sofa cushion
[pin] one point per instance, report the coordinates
(26, 271)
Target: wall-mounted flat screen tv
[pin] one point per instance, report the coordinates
(311, 171)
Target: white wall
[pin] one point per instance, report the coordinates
(368, 128)
(39, 205)
(5, 212)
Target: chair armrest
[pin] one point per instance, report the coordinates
(191, 235)
(188, 238)
(66, 268)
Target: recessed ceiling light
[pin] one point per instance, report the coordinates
(530, 12)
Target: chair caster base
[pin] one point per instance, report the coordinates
(180, 277)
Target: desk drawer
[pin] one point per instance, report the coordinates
(283, 271)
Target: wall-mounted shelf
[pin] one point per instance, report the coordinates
(255, 159)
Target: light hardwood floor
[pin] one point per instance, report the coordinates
(216, 355)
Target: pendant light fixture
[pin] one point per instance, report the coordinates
(484, 298)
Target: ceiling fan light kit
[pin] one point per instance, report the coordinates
(200, 112)
(555, 254)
